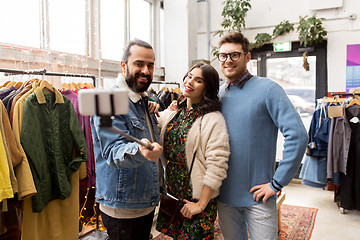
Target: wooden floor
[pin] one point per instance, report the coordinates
(330, 223)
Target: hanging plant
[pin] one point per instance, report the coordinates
(283, 28)
(234, 13)
(311, 30)
(262, 38)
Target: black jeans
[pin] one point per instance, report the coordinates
(128, 229)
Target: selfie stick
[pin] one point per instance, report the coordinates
(106, 121)
(128, 136)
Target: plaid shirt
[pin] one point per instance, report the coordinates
(240, 82)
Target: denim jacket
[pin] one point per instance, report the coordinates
(124, 178)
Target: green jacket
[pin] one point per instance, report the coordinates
(50, 133)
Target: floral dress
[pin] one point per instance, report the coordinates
(201, 226)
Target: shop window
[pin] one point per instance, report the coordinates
(67, 26)
(298, 84)
(19, 22)
(112, 29)
(140, 20)
(162, 37)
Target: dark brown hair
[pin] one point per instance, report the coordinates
(235, 37)
(137, 42)
(210, 102)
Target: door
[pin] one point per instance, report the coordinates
(302, 86)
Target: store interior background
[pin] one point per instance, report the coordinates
(88, 36)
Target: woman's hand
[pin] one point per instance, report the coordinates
(154, 108)
(190, 209)
(173, 106)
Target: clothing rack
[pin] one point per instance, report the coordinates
(45, 72)
(9, 72)
(28, 72)
(160, 82)
(344, 94)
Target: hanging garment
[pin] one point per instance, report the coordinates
(27, 87)
(313, 172)
(350, 183)
(13, 154)
(90, 180)
(319, 132)
(153, 97)
(51, 120)
(6, 190)
(22, 170)
(4, 94)
(59, 220)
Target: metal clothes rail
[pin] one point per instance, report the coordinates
(160, 82)
(45, 72)
(344, 94)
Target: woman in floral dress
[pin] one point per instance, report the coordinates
(197, 127)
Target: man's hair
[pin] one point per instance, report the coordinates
(235, 37)
(137, 42)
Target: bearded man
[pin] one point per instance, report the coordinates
(127, 182)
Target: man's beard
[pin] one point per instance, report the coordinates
(131, 81)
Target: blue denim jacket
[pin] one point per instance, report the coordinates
(319, 133)
(124, 178)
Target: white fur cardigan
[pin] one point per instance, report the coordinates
(213, 150)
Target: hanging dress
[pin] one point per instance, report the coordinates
(350, 183)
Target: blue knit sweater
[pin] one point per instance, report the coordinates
(253, 115)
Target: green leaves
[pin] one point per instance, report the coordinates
(282, 28)
(311, 30)
(262, 38)
(234, 13)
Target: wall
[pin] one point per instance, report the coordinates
(264, 15)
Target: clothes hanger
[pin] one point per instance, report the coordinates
(31, 80)
(5, 83)
(177, 90)
(89, 85)
(80, 85)
(354, 101)
(11, 83)
(46, 84)
(17, 85)
(65, 86)
(73, 86)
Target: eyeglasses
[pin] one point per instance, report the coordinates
(234, 56)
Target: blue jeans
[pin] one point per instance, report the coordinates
(260, 219)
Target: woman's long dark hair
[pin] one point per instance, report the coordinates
(210, 102)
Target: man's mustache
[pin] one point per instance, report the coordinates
(143, 75)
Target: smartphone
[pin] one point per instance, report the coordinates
(103, 102)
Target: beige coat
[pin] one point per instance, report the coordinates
(213, 150)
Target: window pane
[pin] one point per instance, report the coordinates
(140, 20)
(112, 29)
(19, 22)
(252, 66)
(67, 26)
(162, 38)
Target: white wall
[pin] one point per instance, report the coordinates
(263, 16)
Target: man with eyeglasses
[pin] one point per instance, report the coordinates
(255, 108)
